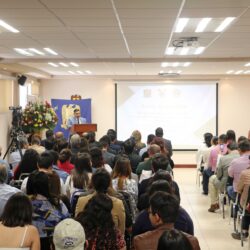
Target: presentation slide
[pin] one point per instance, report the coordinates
(185, 111)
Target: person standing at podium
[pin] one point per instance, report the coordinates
(76, 119)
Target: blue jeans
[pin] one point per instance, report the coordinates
(231, 193)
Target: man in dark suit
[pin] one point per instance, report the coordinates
(168, 145)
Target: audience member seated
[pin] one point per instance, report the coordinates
(50, 140)
(101, 181)
(203, 152)
(92, 141)
(80, 176)
(218, 181)
(167, 143)
(45, 162)
(97, 160)
(173, 240)
(97, 221)
(6, 191)
(108, 157)
(237, 166)
(144, 151)
(64, 161)
(69, 234)
(84, 145)
(36, 144)
(61, 173)
(163, 212)
(243, 189)
(231, 136)
(115, 145)
(122, 181)
(16, 156)
(5, 163)
(74, 144)
(60, 145)
(129, 147)
(143, 224)
(220, 149)
(28, 164)
(147, 165)
(16, 229)
(48, 210)
(136, 134)
(159, 161)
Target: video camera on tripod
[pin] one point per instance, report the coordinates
(16, 130)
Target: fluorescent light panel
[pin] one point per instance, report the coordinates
(170, 51)
(74, 64)
(247, 72)
(224, 24)
(49, 50)
(80, 72)
(88, 72)
(64, 64)
(71, 72)
(164, 64)
(176, 64)
(23, 52)
(182, 22)
(203, 24)
(230, 71)
(36, 51)
(186, 64)
(184, 51)
(238, 72)
(247, 64)
(53, 64)
(8, 27)
(199, 50)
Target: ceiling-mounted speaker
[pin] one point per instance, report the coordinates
(21, 80)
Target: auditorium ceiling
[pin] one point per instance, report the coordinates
(128, 39)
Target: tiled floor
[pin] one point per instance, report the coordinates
(212, 231)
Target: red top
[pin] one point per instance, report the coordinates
(65, 166)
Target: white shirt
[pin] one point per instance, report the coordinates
(6, 191)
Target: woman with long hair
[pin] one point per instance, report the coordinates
(99, 226)
(98, 161)
(122, 180)
(136, 134)
(28, 163)
(48, 209)
(81, 175)
(16, 221)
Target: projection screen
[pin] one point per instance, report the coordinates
(184, 110)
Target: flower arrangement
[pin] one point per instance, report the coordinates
(38, 116)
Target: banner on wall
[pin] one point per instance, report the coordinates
(65, 109)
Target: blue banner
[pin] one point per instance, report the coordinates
(65, 109)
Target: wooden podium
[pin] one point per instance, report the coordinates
(81, 128)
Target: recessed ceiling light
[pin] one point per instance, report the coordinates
(203, 24)
(176, 64)
(88, 72)
(247, 64)
(74, 64)
(199, 50)
(8, 27)
(184, 51)
(80, 72)
(238, 72)
(229, 71)
(23, 52)
(247, 72)
(36, 51)
(164, 64)
(186, 64)
(182, 22)
(179, 71)
(224, 24)
(162, 71)
(170, 50)
(170, 71)
(53, 64)
(64, 64)
(71, 72)
(52, 52)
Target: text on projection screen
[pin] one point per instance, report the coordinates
(184, 111)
